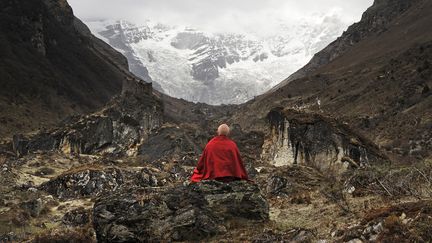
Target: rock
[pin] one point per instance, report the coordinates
(303, 236)
(147, 178)
(318, 141)
(84, 182)
(76, 217)
(33, 207)
(294, 181)
(276, 184)
(19, 145)
(118, 128)
(378, 227)
(8, 237)
(182, 213)
(171, 143)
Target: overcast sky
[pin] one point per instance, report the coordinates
(220, 14)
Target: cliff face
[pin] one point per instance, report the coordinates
(298, 138)
(51, 65)
(117, 129)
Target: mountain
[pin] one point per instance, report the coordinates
(339, 154)
(375, 21)
(217, 68)
(376, 77)
(51, 66)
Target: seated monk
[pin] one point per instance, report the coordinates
(220, 160)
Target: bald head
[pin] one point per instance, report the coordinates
(223, 130)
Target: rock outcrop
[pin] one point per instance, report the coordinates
(317, 141)
(76, 217)
(117, 129)
(182, 213)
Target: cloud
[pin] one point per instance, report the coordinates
(217, 15)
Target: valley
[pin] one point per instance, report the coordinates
(338, 152)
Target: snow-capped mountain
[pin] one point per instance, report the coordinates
(217, 68)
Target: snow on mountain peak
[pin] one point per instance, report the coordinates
(218, 68)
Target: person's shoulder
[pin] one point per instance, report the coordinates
(212, 141)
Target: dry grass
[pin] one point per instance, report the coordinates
(393, 182)
(414, 227)
(83, 234)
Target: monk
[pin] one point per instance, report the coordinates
(220, 160)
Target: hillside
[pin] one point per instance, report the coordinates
(51, 66)
(377, 79)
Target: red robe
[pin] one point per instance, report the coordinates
(220, 159)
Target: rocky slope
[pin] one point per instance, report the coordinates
(51, 66)
(376, 20)
(217, 68)
(378, 84)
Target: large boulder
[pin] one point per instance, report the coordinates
(315, 140)
(181, 213)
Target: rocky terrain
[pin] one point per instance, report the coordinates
(341, 154)
(51, 66)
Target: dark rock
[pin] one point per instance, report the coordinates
(276, 184)
(147, 178)
(171, 143)
(8, 237)
(33, 207)
(117, 129)
(84, 182)
(294, 181)
(76, 217)
(318, 141)
(45, 35)
(19, 145)
(182, 213)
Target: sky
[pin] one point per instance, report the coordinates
(220, 15)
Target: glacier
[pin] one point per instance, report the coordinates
(217, 68)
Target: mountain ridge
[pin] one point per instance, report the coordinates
(378, 85)
(51, 66)
(216, 68)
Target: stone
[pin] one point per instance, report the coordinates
(317, 141)
(33, 207)
(293, 181)
(182, 213)
(119, 127)
(147, 178)
(84, 182)
(76, 217)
